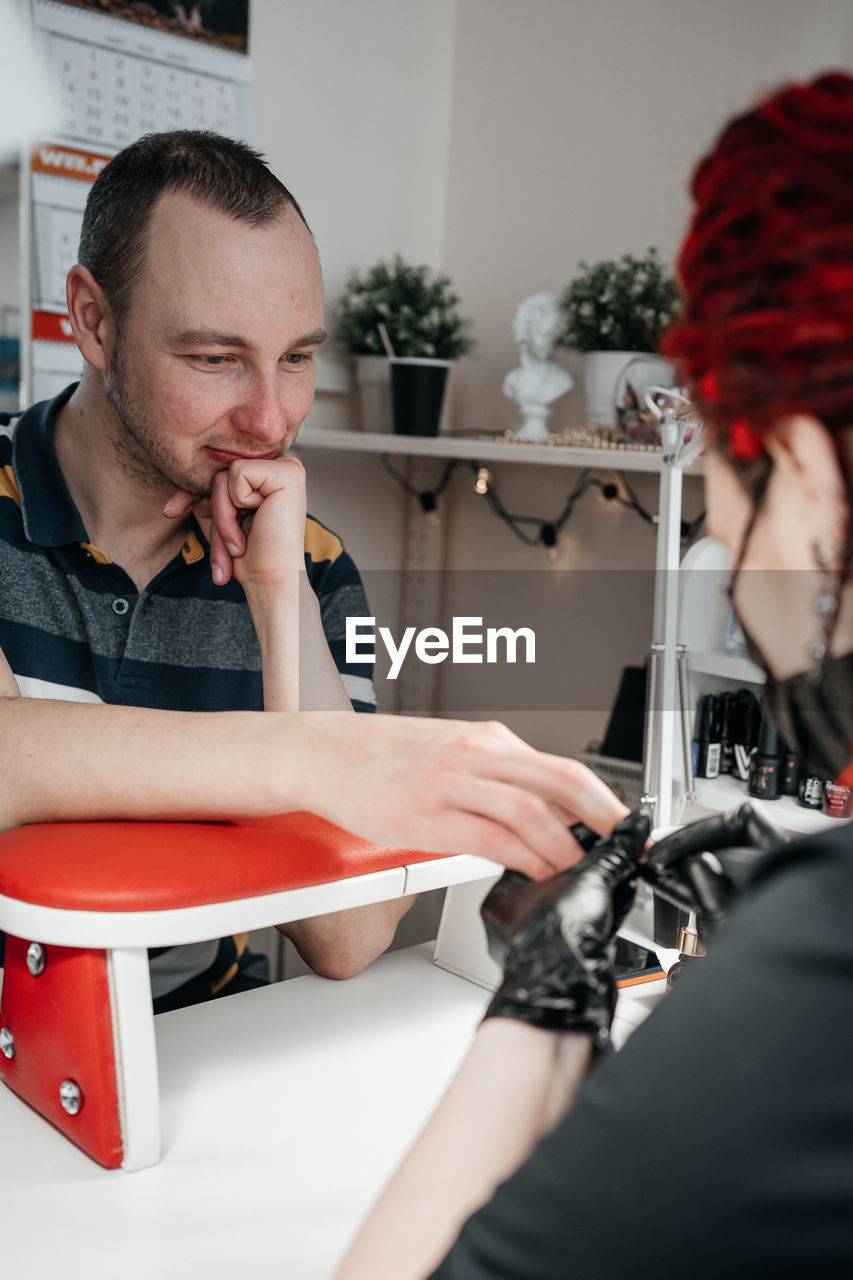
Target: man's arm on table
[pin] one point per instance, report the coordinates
(443, 786)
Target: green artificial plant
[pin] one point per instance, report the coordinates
(417, 306)
(623, 305)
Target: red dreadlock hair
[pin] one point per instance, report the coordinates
(767, 269)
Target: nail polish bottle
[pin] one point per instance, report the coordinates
(790, 771)
(837, 800)
(706, 744)
(747, 718)
(765, 764)
(810, 791)
(690, 949)
(725, 705)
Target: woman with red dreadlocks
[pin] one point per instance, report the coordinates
(720, 1139)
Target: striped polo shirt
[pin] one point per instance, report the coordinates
(73, 625)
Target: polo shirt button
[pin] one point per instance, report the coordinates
(120, 606)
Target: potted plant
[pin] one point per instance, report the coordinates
(616, 313)
(420, 313)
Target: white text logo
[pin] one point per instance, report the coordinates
(466, 643)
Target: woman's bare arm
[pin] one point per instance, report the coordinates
(512, 1087)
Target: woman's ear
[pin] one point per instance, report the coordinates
(91, 318)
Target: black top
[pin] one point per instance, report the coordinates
(719, 1142)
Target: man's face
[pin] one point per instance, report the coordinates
(215, 359)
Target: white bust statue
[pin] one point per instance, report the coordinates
(539, 380)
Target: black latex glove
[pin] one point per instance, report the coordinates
(702, 867)
(554, 937)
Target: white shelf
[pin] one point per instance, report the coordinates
(727, 665)
(725, 792)
(480, 449)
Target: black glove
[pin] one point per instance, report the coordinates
(554, 936)
(703, 867)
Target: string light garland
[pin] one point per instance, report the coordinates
(535, 531)
(428, 498)
(483, 480)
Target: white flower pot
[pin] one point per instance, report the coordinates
(606, 374)
(373, 379)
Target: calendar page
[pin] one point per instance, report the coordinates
(57, 232)
(59, 361)
(61, 177)
(119, 80)
(111, 98)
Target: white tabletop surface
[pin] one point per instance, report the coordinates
(284, 1111)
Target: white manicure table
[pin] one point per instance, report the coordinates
(260, 1126)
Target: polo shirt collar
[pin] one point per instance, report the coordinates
(49, 514)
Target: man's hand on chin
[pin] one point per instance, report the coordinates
(254, 520)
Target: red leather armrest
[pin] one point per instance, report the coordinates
(155, 866)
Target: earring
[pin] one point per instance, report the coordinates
(826, 609)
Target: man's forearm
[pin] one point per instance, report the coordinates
(146, 764)
(441, 786)
(298, 669)
(300, 674)
(513, 1085)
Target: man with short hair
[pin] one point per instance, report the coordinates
(154, 544)
(155, 552)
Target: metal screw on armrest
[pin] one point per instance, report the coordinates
(36, 958)
(7, 1043)
(71, 1096)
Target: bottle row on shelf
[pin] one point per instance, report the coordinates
(734, 737)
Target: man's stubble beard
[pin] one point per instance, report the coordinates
(138, 448)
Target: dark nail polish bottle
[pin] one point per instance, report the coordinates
(790, 771)
(765, 765)
(706, 744)
(725, 703)
(746, 721)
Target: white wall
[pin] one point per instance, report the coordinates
(503, 140)
(352, 108)
(576, 124)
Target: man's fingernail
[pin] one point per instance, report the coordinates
(217, 573)
(233, 548)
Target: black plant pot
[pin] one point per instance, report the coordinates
(417, 394)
